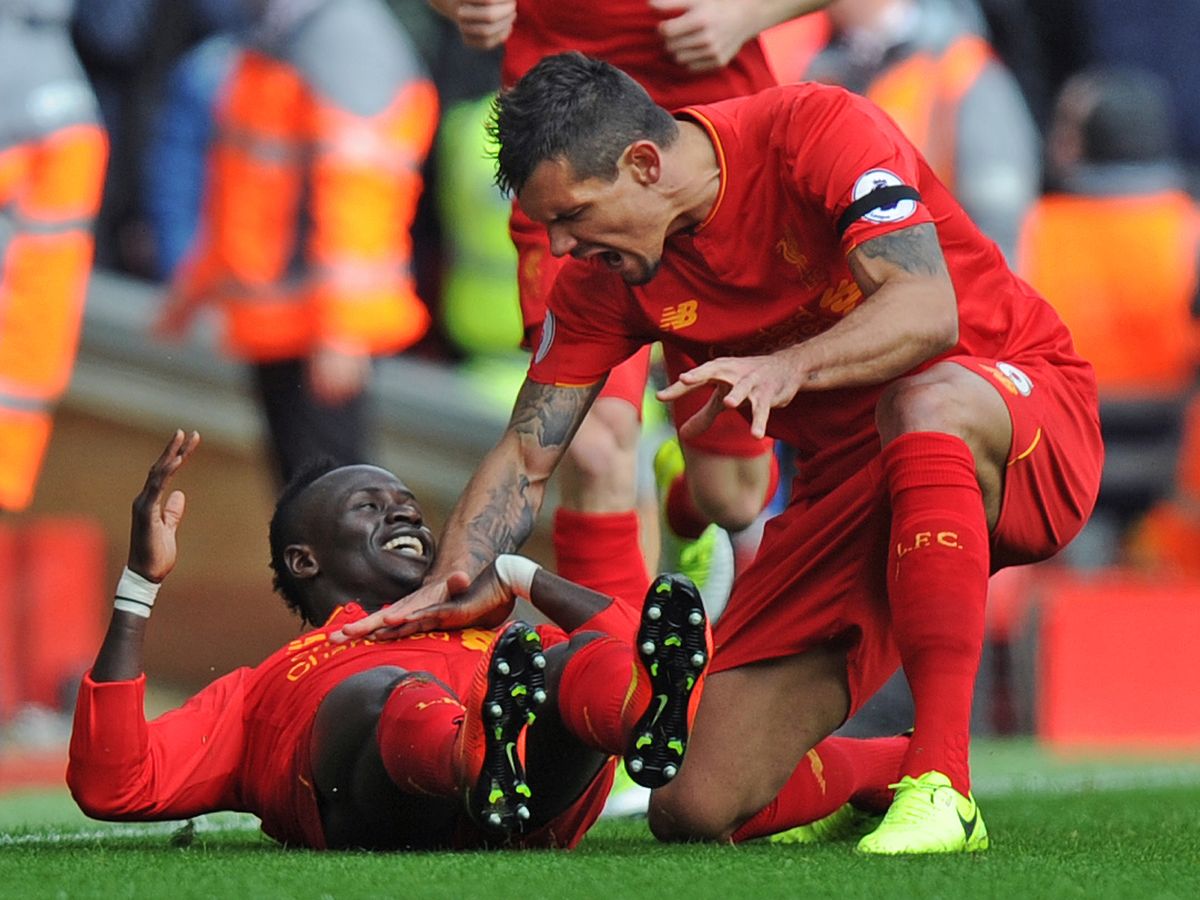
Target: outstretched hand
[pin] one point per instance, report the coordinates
(152, 547)
(483, 603)
(765, 382)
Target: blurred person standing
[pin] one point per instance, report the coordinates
(52, 156)
(926, 64)
(304, 241)
(1115, 247)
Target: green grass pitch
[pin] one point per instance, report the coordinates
(1060, 828)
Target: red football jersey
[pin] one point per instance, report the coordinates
(240, 743)
(625, 33)
(768, 269)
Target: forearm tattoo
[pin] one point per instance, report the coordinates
(549, 416)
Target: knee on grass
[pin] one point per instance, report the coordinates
(676, 816)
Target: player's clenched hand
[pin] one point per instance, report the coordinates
(485, 24)
(152, 548)
(382, 624)
(705, 34)
(764, 382)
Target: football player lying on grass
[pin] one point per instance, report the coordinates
(450, 737)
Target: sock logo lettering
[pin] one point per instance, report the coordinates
(928, 539)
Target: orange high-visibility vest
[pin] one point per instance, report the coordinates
(49, 194)
(923, 92)
(1122, 272)
(305, 235)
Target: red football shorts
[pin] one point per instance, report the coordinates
(820, 575)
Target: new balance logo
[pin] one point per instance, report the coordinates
(676, 318)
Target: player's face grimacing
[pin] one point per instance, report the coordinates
(367, 533)
(612, 223)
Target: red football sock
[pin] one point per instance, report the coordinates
(416, 733)
(836, 771)
(937, 585)
(602, 692)
(601, 551)
(682, 515)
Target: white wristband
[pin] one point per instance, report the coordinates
(516, 573)
(135, 594)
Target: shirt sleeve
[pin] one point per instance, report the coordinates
(587, 331)
(854, 162)
(182, 764)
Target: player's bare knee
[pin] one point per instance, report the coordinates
(921, 403)
(602, 457)
(732, 492)
(677, 815)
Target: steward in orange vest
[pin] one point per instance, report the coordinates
(925, 64)
(52, 156)
(304, 239)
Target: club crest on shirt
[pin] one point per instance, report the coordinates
(547, 338)
(881, 178)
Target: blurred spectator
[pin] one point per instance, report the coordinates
(177, 149)
(1115, 248)
(127, 47)
(927, 65)
(52, 152)
(304, 240)
(1158, 37)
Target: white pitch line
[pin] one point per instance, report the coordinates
(1075, 782)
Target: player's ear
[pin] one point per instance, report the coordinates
(644, 159)
(300, 561)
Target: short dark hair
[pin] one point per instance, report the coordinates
(575, 108)
(282, 533)
(1131, 119)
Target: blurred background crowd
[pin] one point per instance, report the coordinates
(317, 172)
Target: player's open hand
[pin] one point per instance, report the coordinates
(482, 603)
(485, 24)
(156, 515)
(705, 34)
(385, 624)
(765, 382)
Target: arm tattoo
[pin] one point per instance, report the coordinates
(915, 250)
(550, 416)
(503, 525)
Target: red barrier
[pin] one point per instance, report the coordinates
(60, 610)
(10, 666)
(1118, 662)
